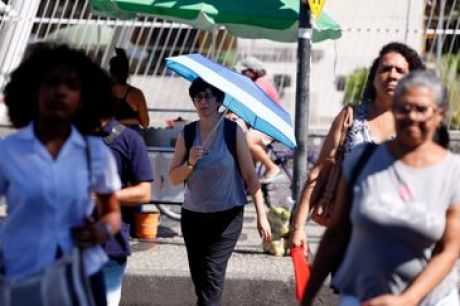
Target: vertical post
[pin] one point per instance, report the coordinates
(14, 35)
(302, 110)
(439, 31)
(406, 34)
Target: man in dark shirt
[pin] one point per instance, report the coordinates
(136, 176)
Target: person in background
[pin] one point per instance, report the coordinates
(215, 195)
(136, 175)
(257, 141)
(373, 122)
(130, 107)
(50, 166)
(399, 233)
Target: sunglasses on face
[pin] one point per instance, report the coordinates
(421, 112)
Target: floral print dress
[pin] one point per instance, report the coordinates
(359, 132)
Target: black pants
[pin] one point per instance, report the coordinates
(210, 239)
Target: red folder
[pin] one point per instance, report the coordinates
(301, 271)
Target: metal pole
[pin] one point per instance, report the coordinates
(302, 106)
(14, 35)
(406, 34)
(439, 32)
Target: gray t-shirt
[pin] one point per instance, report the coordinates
(215, 183)
(398, 215)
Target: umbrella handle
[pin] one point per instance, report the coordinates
(208, 138)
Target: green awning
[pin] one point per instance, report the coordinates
(270, 19)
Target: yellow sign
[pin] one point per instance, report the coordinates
(316, 6)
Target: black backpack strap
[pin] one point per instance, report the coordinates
(358, 168)
(230, 130)
(189, 137)
(365, 156)
(116, 131)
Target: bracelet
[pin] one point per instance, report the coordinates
(189, 165)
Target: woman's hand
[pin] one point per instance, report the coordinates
(299, 238)
(196, 153)
(90, 234)
(264, 228)
(389, 300)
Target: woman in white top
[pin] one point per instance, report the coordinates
(50, 166)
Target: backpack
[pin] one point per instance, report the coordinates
(230, 129)
(116, 131)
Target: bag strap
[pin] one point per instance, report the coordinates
(346, 125)
(116, 131)
(189, 137)
(365, 156)
(88, 163)
(230, 130)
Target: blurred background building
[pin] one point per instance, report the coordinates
(338, 67)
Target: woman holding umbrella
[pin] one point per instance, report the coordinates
(212, 213)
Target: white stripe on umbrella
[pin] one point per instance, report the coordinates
(245, 98)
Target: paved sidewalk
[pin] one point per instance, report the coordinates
(158, 274)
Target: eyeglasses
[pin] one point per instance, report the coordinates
(205, 97)
(421, 112)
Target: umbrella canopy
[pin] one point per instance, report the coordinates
(242, 96)
(271, 19)
(82, 35)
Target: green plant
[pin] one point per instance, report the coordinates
(354, 85)
(450, 74)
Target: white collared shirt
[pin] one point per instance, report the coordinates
(46, 197)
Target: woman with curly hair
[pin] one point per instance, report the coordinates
(372, 122)
(51, 165)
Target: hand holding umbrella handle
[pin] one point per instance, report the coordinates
(196, 153)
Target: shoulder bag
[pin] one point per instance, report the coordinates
(323, 195)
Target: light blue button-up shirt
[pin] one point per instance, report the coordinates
(46, 197)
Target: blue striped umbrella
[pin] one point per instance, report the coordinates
(242, 96)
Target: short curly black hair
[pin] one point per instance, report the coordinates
(198, 85)
(21, 92)
(411, 56)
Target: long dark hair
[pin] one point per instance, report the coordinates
(119, 66)
(411, 56)
(21, 92)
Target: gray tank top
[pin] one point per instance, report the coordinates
(215, 183)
